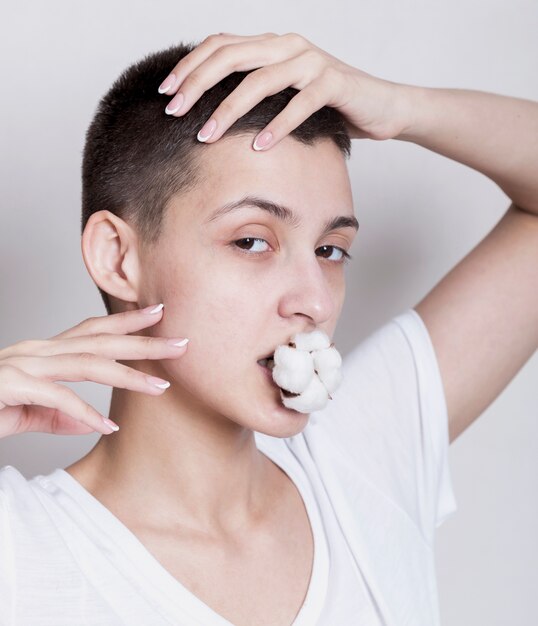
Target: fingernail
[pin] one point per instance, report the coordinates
(207, 130)
(153, 309)
(167, 83)
(111, 424)
(262, 140)
(175, 104)
(158, 382)
(179, 343)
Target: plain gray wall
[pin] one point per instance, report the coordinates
(420, 213)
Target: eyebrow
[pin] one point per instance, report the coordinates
(281, 213)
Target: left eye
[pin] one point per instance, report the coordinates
(344, 256)
(327, 251)
(248, 241)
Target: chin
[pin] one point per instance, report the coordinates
(257, 407)
(263, 411)
(271, 417)
(284, 427)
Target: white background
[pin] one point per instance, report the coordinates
(420, 213)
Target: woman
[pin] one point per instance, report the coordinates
(213, 503)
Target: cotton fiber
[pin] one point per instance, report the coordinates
(307, 370)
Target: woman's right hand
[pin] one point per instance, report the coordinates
(30, 399)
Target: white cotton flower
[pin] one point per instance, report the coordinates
(316, 340)
(293, 369)
(313, 398)
(331, 379)
(327, 364)
(310, 369)
(327, 359)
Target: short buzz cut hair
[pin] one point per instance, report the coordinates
(136, 157)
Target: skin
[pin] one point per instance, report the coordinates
(193, 446)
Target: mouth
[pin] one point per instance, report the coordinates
(267, 362)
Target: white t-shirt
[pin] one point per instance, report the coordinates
(371, 467)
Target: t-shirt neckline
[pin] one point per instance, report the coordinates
(168, 592)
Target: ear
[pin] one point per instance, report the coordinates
(111, 255)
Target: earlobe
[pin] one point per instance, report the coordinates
(110, 252)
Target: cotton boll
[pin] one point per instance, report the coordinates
(311, 370)
(316, 340)
(326, 360)
(327, 364)
(331, 379)
(313, 398)
(293, 369)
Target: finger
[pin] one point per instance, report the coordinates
(89, 367)
(124, 322)
(23, 389)
(297, 72)
(198, 55)
(299, 108)
(123, 347)
(232, 57)
(45, 420)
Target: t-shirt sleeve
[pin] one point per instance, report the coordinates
(433, 410)
(388, 425)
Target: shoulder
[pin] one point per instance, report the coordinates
(12, 483)
(28, 515)
(391, 371)
(17, 506)
(20, 501)
(387, 425)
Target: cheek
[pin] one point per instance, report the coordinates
(222, 317)
(221, 302)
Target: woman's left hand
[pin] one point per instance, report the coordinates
(373, 108)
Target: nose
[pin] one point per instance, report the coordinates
(308, 292)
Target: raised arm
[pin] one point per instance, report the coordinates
(483, 315)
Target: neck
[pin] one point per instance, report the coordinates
(174, 460)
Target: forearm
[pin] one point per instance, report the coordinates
(496, 135)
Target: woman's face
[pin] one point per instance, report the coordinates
(241, 283)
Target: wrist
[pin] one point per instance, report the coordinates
(412, 101)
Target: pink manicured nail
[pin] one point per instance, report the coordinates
(178, 343)
(263, 140)
(111, 424)
(158, 382)
(153, 309)
(168, 83)
(207, 130)
(175, 104)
